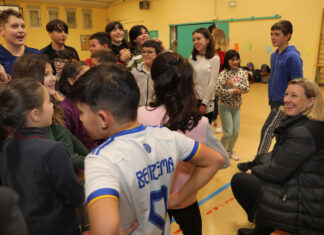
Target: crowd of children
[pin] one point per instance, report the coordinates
(140, 114)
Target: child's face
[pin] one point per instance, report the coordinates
(46, 111)
(278, 38)
(59, 64)
(95, 45)
(200, 42)
(143, 37)
(14, 31)
(90, 120)
(234, 62)
(117, 36)
(58, 36)
(49, 79)
(148, 55)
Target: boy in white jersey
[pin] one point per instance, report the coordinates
(128, 177)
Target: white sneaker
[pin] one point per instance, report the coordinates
(233, 156)
(219, 130)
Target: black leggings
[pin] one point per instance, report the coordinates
(188, 219)
(246, 188)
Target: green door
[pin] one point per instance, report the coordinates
(184, 36)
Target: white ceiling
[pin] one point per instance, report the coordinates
(88, 3)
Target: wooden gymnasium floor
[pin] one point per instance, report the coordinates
(221, 214)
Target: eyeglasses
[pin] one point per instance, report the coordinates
(58, 61)
(148, 52)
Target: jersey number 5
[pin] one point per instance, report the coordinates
(156, 196)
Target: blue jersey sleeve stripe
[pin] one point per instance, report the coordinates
(102, 192)
(194, 151)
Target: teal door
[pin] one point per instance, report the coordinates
(184, 36)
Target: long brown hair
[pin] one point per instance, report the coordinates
(174, 88)
(210, 51)
(33, 66)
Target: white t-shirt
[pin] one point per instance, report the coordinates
(206, 73)
(136, 166)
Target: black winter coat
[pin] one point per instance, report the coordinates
(292, 197)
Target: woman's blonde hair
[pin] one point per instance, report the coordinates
(316, 112)
(219, 37)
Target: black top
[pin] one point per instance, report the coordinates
(51, 53)
(40, 171)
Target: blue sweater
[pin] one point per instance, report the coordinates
(284, 67)
(7, 59)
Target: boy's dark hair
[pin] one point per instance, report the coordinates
(134, 33)
(210, 52)
(64, 55)
(284, 26)
(102, 37)
(229, 55)
(110, 87)
(30, 65)
(154, 44)
(17, 98)
(57, 25)
(70, 70)
(174, 87)
(4, 16)
(105, 55)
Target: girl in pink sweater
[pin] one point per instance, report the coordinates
(175, 106)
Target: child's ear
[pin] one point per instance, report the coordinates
(104, 119)
(106, 45)
(71, 81)
(34, 115)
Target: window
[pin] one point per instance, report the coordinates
(71, 17)
(52, 13)
(87, 19)
(34, 17)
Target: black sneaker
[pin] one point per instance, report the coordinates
(244, 166)
(245, 231)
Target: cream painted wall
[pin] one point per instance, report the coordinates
(305, 15)
(38, 37)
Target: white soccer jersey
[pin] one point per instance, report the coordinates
(136, 167)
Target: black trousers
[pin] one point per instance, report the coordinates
(246, 188)
(188, 219)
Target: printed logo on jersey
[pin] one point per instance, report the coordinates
(147, 148)
(154, 171)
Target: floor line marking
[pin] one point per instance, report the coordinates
(211, 196)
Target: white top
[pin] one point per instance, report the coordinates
(206, 73)
(136, 167)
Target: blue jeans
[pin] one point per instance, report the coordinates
(230, 117)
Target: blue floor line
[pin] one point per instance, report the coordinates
(211, 196)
